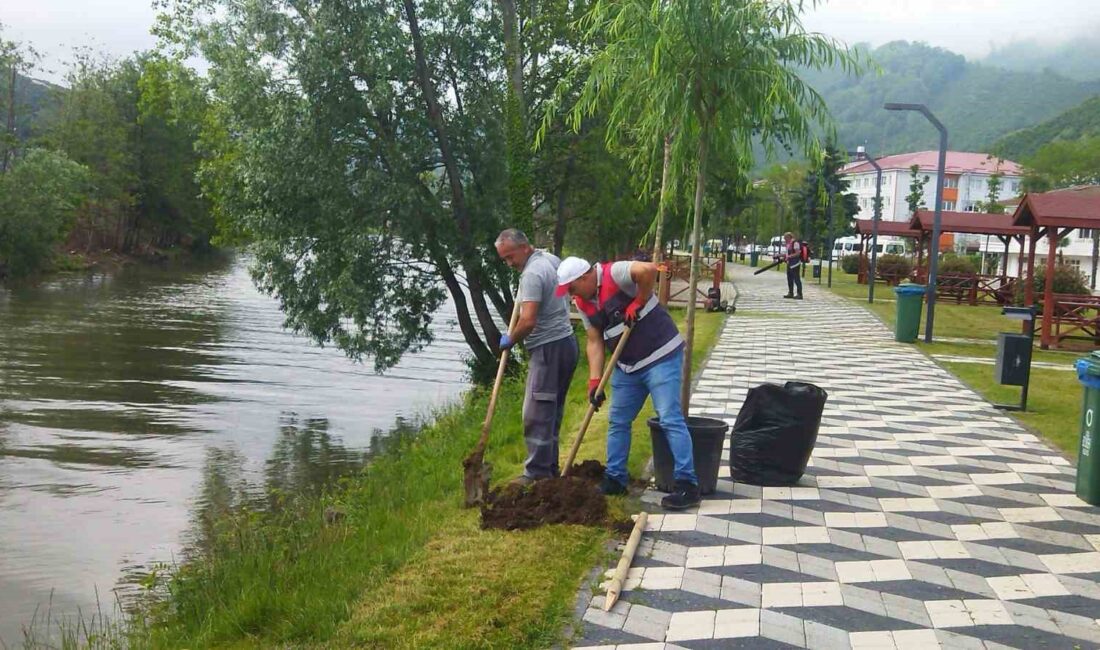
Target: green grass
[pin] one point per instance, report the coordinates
(408, 566)
(1054, 400)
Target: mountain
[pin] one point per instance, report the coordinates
(1078, 58)
(1078, 122)
(977, 103)
(32, 96)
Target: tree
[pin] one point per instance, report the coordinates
(991, 203)
(39, 195)
(16, 59)
(719, 73)
(915, 198)
(1063, 163)
(362, 152)
(814, 196)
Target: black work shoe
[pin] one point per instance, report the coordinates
(611, 487)
(686, 496)
(798, 297)
(788, 296)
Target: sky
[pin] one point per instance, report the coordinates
(969, 27)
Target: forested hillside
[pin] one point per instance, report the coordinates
(977, 103)
(1078, 58)
(1079, 122)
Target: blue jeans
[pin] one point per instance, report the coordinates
(628, 392)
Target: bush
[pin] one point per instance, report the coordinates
(39, 196)
(893, 267)
(850, 264)
(957, 264)
(1067, 279)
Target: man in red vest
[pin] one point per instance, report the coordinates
(611, 297)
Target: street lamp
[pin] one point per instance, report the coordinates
(861, 153)
(829, 228)
(934, 248)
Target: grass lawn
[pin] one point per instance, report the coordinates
(408, 566)
(1054, 399)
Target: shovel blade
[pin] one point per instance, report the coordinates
(475, 479)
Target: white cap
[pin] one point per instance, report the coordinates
(570, 269)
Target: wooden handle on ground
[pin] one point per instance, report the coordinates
(484, 439)
(621, 570)
(591, 408)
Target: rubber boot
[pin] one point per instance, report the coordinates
(686, 496)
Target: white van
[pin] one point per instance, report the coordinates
(845, 246)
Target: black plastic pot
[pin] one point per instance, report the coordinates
(707, 436)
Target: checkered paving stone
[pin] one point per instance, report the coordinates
(926, 519)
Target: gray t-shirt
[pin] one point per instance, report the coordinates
(620, 273)
(537, 283)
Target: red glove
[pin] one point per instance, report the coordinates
(595, 399)
(632, 310)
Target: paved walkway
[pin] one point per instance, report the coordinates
(926, 518)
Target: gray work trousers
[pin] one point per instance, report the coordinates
(548, 374)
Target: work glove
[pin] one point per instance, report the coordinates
(594, 398)
(506, 342)
(631, 314)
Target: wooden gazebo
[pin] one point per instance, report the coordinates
(1054, 215)
(865, 230)
(973, 288)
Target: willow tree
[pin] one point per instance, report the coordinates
(721, 74)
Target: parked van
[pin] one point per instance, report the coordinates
(845, 246)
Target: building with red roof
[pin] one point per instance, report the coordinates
(966, 181)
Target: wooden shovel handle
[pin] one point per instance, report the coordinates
(591, 407)
(485, 426)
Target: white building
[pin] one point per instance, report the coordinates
(966, 181)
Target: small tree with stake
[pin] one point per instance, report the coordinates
(721, 74)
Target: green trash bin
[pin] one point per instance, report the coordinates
(1088, 455)
(910, 301)
(754, 258)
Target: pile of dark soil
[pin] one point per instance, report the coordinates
(569, 500)
(589, 470)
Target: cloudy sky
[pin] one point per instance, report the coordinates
(970, 27)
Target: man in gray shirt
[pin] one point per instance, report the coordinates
(546, 332)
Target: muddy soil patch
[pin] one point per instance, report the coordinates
(589, 470)
(569, 500)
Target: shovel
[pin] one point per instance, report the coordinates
(475, 471)
(592, 407)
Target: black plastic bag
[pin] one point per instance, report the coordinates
(775, 432)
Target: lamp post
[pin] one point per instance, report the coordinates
(934, 248)
(861, 153)
(829, 228)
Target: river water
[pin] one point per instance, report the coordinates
(127, 398)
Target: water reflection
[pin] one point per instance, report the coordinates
(134, 404)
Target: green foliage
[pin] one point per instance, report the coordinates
(850, 264)
(967, 97)
(39, 195)
(134, 124)
(1067, 279)
(813, 199)
(896, 267)
(1063, 163)
(915, 198)
(957, 264)
(991, 205)
(1078, 122)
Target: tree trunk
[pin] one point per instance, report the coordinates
(658, 251)
(696, 244)
(462, 311)
(515, 116)
(11, 124)
(1095, 255)
(470, 262)
(559, 223)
